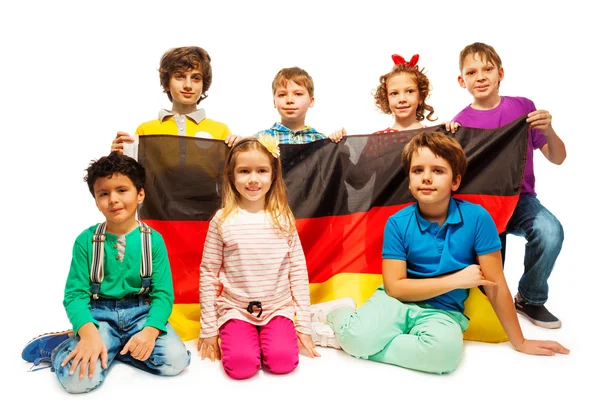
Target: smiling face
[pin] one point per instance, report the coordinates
(403, 97)
(186, 89)
(481, 78)
(118, 199)
(252, 177)
(430, 178)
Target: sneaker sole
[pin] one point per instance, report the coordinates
(326, 341)
(544, 324)
(31, 352)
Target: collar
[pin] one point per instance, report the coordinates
(196, 116)
(283, 129)
(454, 216)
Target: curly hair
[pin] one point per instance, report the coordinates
(381, 94)
(115, 163)
(183, 59)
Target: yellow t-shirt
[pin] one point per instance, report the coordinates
(196, 125)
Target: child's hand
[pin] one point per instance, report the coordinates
(337, 135)
(307, 342)
(232, 139)
(537, 347)
(451, 126)
(141, 345)
(122, 137)
(209, 348)
(87, 351)
(470, 277)
(540, 119)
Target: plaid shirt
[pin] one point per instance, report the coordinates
(286, 136)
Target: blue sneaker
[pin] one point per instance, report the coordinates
(40, 348)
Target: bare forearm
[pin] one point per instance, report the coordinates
(557, 152)
(502, 303)
(408, 289)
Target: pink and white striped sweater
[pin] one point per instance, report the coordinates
(249, 259)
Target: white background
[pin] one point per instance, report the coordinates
(73, 73)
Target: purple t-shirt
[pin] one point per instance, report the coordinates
(509, 109)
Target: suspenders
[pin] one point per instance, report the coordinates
(97, 271)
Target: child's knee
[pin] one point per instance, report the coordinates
(172, 361)
(75, 385)
(240, 364)
(281, 360)
(549, 230)
(443, 354)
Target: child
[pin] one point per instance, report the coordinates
(185, 75)
(434, 251)
(253, 277)
(402, 92)
(293, 94)
(119, 293)
(481, 72)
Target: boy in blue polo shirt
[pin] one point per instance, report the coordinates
(434, 251)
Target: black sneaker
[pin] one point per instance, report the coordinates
(537, 314)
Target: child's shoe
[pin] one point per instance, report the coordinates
(537, 314)
(319, 312)
(40, 348)
(322, 333)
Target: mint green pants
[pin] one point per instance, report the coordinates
(386, 330)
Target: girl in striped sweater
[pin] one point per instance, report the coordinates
(253, 277)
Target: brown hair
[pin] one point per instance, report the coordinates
(275, 200)
(182, 59)
(381, 93)
(486, 53)
(442, 146)
(295, 74)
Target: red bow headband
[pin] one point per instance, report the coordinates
(400, 60)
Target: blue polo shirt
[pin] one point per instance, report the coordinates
(430, 250)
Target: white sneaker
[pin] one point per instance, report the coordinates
(319, 312)
(323, 335)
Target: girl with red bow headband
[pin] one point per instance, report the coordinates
(402, 92)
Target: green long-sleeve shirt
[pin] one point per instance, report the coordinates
(121, 277)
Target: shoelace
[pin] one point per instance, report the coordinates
(45, 356)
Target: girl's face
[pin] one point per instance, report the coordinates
(252, 178)
(403, 96)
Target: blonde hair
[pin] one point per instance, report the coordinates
(486, 52)
(295, 74)
(276, 203)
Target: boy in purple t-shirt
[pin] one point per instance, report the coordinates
(480, 73)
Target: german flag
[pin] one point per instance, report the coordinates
(341, 195)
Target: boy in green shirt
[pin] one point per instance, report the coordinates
(119, 292)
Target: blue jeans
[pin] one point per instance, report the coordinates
(544, 235)
(118, 322)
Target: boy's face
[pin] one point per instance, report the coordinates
(186, 87)
(117, 199)
(403, 96)
(481, 78)
(430, 178)
(292, 102)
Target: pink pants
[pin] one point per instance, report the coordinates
(243, 343)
